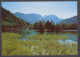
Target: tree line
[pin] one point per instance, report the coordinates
(48, 26)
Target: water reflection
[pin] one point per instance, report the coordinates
(71, 34)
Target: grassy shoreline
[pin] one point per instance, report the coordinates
(48, 37)
(11, 46)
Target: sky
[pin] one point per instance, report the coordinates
(62, 9)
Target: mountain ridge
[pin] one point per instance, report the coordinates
(33, 17)
(70, 20)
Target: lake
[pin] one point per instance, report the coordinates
(72, 34)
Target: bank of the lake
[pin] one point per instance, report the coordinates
(44, 44)
(71, 34)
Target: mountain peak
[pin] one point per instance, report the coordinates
(33, 17)
(18, 13)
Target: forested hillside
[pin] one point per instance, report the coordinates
(11, 22)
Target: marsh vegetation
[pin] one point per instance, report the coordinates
(38, 44)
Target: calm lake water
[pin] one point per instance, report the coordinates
(72, 34)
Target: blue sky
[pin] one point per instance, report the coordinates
(62, 9)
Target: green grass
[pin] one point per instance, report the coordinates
(48, 37)
(11, 46)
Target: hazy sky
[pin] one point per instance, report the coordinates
(62, 9)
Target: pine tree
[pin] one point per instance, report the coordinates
(41, 28)
(48, 26)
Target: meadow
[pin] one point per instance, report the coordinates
(42, 44)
